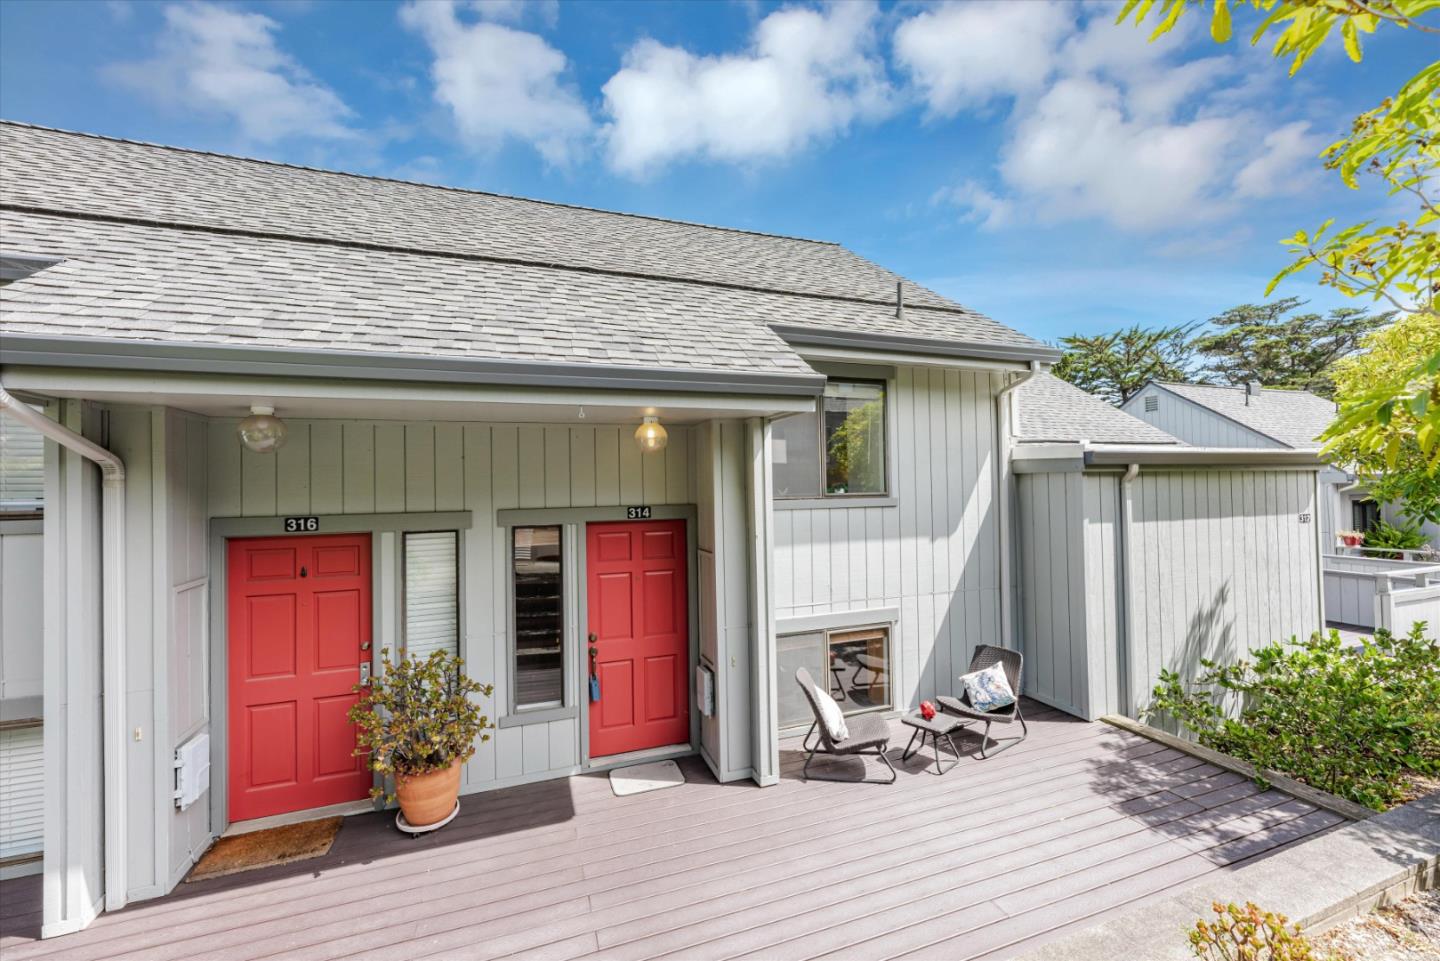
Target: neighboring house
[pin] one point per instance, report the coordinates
(474, 389)
(1254, 416)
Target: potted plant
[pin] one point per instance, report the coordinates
(416, 724)
(1351, 538)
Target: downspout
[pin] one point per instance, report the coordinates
(1004, 416)
(112, 643)
(1127, 618)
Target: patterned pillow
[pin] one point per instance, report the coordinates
(988, 689)
(830, 714)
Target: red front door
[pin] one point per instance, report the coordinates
(299, 628)
(639, 617)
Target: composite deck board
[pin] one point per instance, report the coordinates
(1069, 826)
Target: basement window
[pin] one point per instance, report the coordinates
(853, 664)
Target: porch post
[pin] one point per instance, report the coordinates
(762, 612)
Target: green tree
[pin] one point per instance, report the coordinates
(1397, 143)
(1388, 430)
(1115, 366)
(1275, 346)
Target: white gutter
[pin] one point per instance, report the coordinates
(112, 643)
(1004, 417)
(1127, 618)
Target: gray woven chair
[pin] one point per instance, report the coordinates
(988, 656)
(869, 734)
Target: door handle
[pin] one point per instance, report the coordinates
(364, 645)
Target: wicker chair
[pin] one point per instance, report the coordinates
(988, 656)
(869, 734)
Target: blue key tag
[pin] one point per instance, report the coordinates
(594, 688)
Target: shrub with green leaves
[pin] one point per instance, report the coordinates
(1351, 721)
(1394, 538)
(418, 716)
(1249, 934)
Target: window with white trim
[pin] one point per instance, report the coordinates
(853, 664)
(838, 451)
(432, 593)
(22, 467)
(539, 617)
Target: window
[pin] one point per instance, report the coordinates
(432, 593)
(840, 451)
(1364, 515)
(855, 664)
(539, 618)
(22, 467)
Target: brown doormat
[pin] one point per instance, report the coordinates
(263, 849)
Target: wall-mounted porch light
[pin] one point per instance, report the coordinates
(262, 431)
(650, 435)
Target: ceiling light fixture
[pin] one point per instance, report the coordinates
(651, 435)
(262, 431)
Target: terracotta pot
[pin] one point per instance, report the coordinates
(427, 798)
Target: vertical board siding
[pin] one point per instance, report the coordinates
(361, 467)
(1194, 424)
(934, 555)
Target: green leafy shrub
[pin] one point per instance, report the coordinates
(418, 716)
(1249, 934)
(1352, 721)
(1396, 538)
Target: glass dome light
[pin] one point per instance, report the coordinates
(262, 431)
(651, 435)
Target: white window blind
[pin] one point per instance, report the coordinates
(22, 792)
(22, 466)
(432, 589)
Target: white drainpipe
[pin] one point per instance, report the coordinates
(1004, 416)
(1127, 621)
(112, 574)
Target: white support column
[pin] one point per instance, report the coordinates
(766, 759)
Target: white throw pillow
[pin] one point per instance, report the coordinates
(988, 689)
(830, 715)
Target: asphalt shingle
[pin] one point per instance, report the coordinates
(1054, 410)
(1295, 418)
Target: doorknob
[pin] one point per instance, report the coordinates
(364, 645)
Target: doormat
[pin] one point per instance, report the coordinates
(655, 776)
(267, 848)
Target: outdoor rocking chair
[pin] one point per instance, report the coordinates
(869, 734)
(988, 656)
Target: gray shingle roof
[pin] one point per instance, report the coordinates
(1054, 410)
(177, 245)
(1295, 418)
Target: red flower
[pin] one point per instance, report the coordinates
(927, 710)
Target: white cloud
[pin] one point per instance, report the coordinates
(500, 83)
(220, 61)
(1283, 152)
(966, 54)
(1105, 125)
(808, 74)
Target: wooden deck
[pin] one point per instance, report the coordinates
(991, 858)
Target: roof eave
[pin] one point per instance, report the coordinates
(1105, 455)
(189, 357)
(797, 336)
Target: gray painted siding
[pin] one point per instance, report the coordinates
(1219, 564)
(22, 615)
(1192, 423)
(724, 578)
(377, 466)
(935, 555)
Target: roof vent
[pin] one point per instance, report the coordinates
(1252, 390)
(1152, 403)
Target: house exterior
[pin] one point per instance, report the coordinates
(472, 390)
(1264, 417)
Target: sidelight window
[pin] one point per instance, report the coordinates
(432, 593)
(539, 608)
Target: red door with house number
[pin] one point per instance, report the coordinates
(299, 629)
(639, 629)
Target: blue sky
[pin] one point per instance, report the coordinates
(1029, 159)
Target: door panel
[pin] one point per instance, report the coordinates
(639, 614)
(298, 629)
